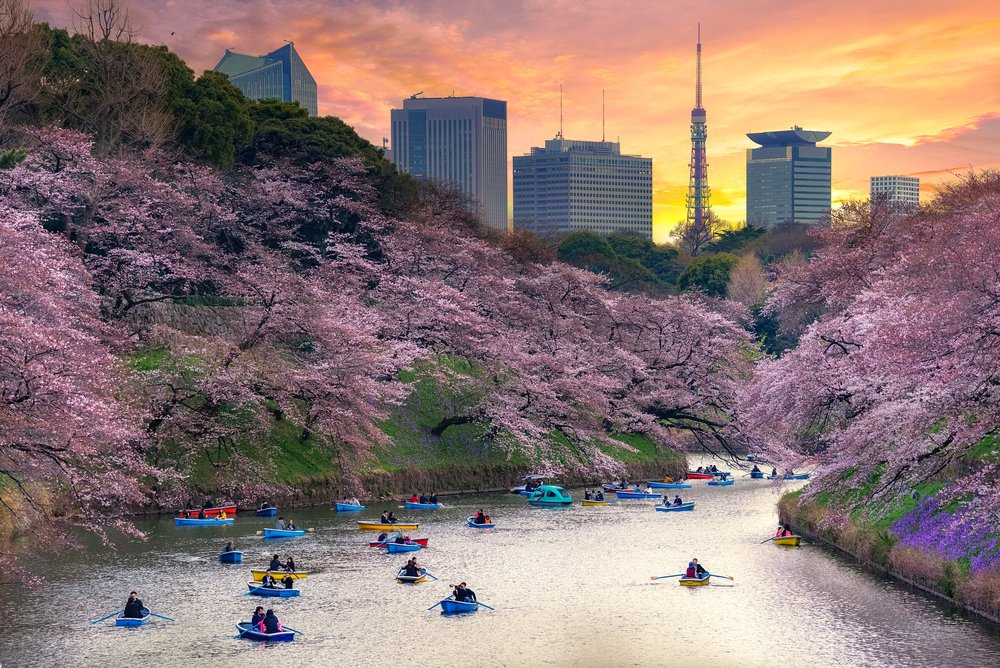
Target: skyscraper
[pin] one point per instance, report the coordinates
(279, 75)
(904, 190)
(458, 140)
(698, 191)
(583, 185)
(788, 177)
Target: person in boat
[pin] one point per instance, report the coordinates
(599, 496)
(190, 505)
(288, 581)
(223, 515)
(423, 499)
(480, 517)
(414, 498)
(385, 517)
(786, 532)
(381, 537)
(715, 469)
(399, 540)
(229, 547)
(699, 569)
(677, 500)
(290, 564)
(667, 479)
(648, 490)
(280, 524)
(268, 581)
(434, 497)
(691, 571)
(201, 514)
(290, 525)
(275, 564)
(258, 615)
(586, 495)
(270, 623)
(392, 518)
(133, 607)
(755, 469)
(410, 569)
(699, 470)
(774, 473)
(353, 501)
(265, 505)
(463, 593)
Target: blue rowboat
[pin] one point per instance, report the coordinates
(207, 522)
(450, 606)
(348, 507)
(396, 548)
(132, 621)
(612, 488)
(718, 474)
(792, 476)
(267, 512)
(721, 483)
(670, 485)
(284, 533)
(251, 632)
(757, 475)
(411, 505)
(257, 589)
(670, 509)
(472, 523)
(637, 495)
(231, 557)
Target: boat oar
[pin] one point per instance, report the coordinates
(169, 619)
(485, 606)
(116, 612)
(660, 577)
(289, 628)
(724, 577)
(768, 540)
(435, 605)
(430, 575)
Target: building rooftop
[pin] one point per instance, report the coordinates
(794, 137)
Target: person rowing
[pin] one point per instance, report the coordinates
(133, 607)
(695, 570)
(268, 581)
(599, 496)
(411, 569)
(414, 498)
(434, 497)
(423, 499)
(463, 593)
(677, 500)
(290, 564)
(290, 525)
(280, 524)
(381, 537)
(481, 518)
(258, 615)
(755, 469)
(586, 495)
(229, 547)
(667, 479)
(275, 564)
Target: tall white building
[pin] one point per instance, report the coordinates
(902, 189)
(458, 140)
(583, 185)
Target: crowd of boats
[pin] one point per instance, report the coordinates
(279, 579)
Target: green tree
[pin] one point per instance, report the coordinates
(709, 273)
(734, 241)
(213, 118)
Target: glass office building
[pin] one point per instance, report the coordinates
(457, 140)
(279, 75)
(583, 185)
(788, 178)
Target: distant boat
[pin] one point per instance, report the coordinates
(378, 526)
(257, 589)
(283, 533)
(671, 509)
(207, 522)
(348, 507)
(790, 541)
(258, 574)
(485, 525)
(251, 632)
(695, 582)
(721, 483)
(414, 505)
(267, 512)
(668, 485)
(594, 502)
(638, 495)
(396, 548)
(692, 475)
(209, 512)
(231, 557)
(122, 620)
(450, 606)
(550, 495)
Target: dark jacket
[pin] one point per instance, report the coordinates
(271, 624)
(464, 594)
(257, 616)
(275, 565)
(133, 609)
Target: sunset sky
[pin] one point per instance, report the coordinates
(906, 87)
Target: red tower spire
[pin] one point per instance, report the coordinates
(698, 191)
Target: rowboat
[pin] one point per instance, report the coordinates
(412, 579)
(670, 509)
(695, 582)
(419, 541)
(397, 548)
(251, 632)
(412, 505)
(699, 476)
(592, 502)
(257, 589)
(231, 557)
(612, 488)
(121, 620)
(791, 541)
(207, 522)
(668, 485)
(721, 483)
(790, 476)
(472, 523)
(721, 474)
(258, 574)
(533, 478)
(284, 533)
(450, 606)
(267, 512)
(637, 495)
(378, 526)
(550, 495)
(209, 512)
(348, 507)
(757, 475)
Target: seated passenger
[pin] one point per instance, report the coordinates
(258, 615)
(133, 607)
(271, 624)
(275, 564)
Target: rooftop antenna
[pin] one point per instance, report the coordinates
(602, 115)
(560, 112)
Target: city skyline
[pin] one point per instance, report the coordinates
(875, 76)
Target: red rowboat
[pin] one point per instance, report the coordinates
(699, 476)
(209, 512)
(419, 541)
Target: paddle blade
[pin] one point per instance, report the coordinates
(483, 605)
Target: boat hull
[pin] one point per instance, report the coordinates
(756, 475)
(550, 495)
(410, 505)
(284, 533)
(250, 632)
(788, 541)
(398, 548)
(347, 507)
(591, 502)
(674, 509)
(258, 574)
(471, 521)
(613, 488)
(699, 476)
(267, 512)
(231, 557)
(207, 522)
(796, 476)
(721, 483)
(378, 526)
(452, 607)
(276, 592)
(419, 541)
(668, 485)
(637, 495)
(695, 582)
(132, 621)
(412, 579)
